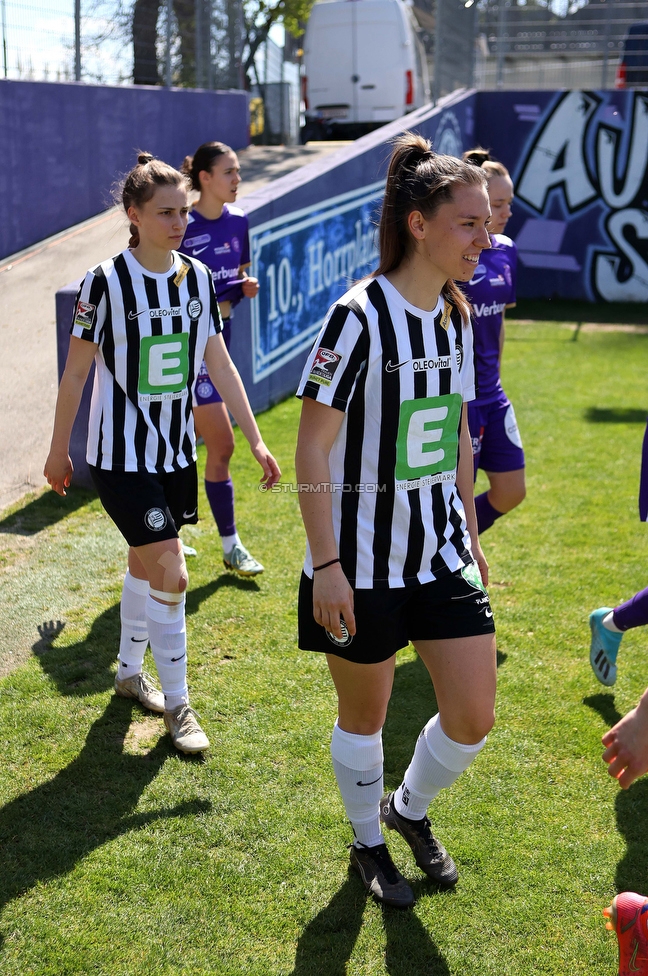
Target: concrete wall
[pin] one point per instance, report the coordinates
(64, 145)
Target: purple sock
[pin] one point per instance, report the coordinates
(221, 498)
(632, 613)
(486, 514)
(643, 480)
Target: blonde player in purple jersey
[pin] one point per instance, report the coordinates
(217, 233)
(496, 442)
(385, 474)
(147, 318)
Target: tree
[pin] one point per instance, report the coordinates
(238, 27)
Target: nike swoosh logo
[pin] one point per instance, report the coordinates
(189, 514)
(176, 659)
(136, 315)
(139, 640)
(392, 367)
(369, 784)
(624, 928)
(489, 613)
(199, 251)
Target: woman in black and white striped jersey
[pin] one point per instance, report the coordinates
(148, 317)
(384, 464)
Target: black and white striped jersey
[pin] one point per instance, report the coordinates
(400, 375)
(151, 331)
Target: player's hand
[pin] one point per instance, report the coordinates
(626, 744)
(271, 470)
(58, 470)
(250, 287)
(332, 599)
(482, 564)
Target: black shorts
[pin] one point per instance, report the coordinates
(387, 620)
(147, 506)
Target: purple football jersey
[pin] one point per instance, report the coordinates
(223, 245)
(490, 290)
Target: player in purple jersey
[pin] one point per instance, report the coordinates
(496, 443)
(608, 626)
(217, 234)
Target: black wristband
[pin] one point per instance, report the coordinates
(331, 562)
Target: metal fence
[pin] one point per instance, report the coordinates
(201, 43)
(505, 44)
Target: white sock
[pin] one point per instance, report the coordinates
(358, 759)
(436, 763)
(609, 624)
(168, 636)
(134, 632)
(229, 541)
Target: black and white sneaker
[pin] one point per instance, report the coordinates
(429, 854)
(380, 876)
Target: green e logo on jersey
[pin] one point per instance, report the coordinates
(164, 363)
(428, 436)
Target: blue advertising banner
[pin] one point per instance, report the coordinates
(579, 161)
(304, 261)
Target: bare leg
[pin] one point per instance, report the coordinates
(507, 489)
(363, 693)
(213, 425)
(464, 675)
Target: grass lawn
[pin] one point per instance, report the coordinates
(121, 857)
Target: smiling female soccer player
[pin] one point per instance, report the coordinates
(148, 317)
(218, 232)
(394, 556)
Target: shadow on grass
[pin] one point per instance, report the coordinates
(631, 812)
(616, 415)
(46, 832)
(48, 509)
(326, 944)
(565, 310)
(88, 667)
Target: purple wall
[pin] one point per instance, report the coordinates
(64, 145)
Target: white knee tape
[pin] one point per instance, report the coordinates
(166, 597)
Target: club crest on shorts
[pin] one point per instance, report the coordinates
(155, 519)
(204, 390)
(194, 308)
(346, 638)
(472, 575)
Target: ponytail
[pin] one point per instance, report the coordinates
(482, 158)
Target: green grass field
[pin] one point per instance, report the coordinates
(121, 857)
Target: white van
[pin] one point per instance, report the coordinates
(363, 66)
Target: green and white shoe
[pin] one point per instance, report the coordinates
(239, 560)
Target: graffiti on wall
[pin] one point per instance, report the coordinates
(582, 182)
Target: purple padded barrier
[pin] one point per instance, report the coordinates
(65, 145)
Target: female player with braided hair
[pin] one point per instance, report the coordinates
(218, 232)
(386, 491)
(496, 443)
(148, 317)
